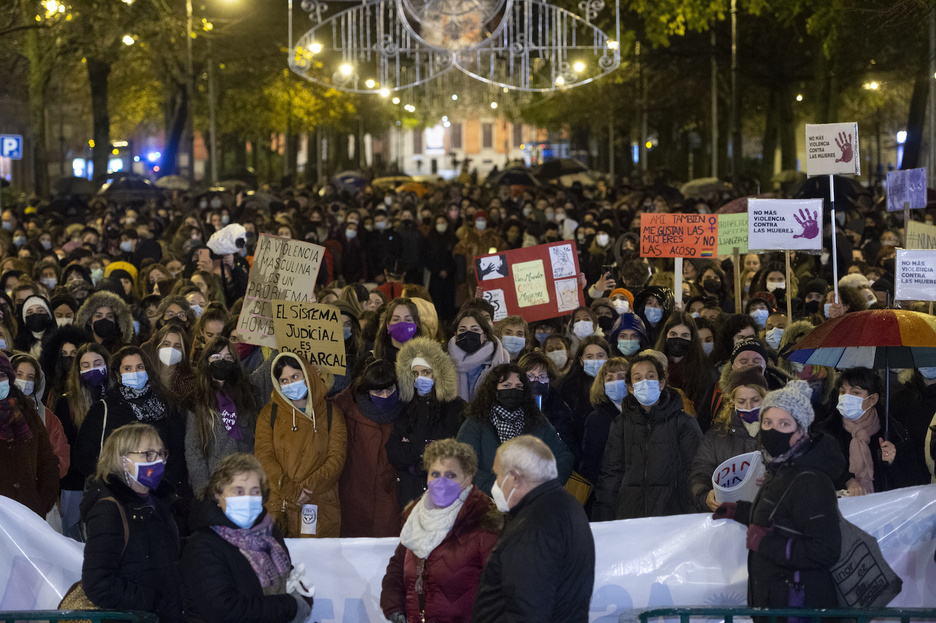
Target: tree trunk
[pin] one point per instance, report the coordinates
(98, 73)
(771, 122)
(38, 82)
(176, 108)
(913, 148)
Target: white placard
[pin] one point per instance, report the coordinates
(916, 275)
(906, 187)
(832, 148)
(309, 519)
(736, 479)
(785, 224)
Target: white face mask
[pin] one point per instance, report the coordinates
(773, 337)
(559, 357)
(169, 356)
(776, 285)
(603, 239)
(851, 406)
(583, 328)
(621, 306)
(502, 503)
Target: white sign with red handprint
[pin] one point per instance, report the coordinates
(832, 148)
(785, 225)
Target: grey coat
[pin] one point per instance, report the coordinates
(717, 446)
(201, 467)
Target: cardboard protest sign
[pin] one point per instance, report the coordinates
(678, 235)
(832, 149)
(920, 235)
(283, 269)
(915, 278)
(311, 330)
(785, 224)
(732, 233)
(534, 282)
(903, 187)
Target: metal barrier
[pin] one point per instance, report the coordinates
(94, 616)
(773, 614)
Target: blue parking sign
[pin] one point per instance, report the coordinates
(11, 146)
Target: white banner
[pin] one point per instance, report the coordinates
(785, 224)
(687, 560)
(832, 148)
(915, 276)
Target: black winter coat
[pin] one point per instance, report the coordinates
(145, 576)
(717, 446)
(806, 538)
(597, 427)
(915, 412)
(381, 246)
(560, 416)
(219, 583)
(646, 464)
(886, 476)
(573, 390)
(543, 566)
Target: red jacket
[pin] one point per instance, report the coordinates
(452, 571)
(367, 489)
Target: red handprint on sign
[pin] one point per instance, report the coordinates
(844, 142)
(808, 222)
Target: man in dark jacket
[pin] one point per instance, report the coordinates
(543, 566)
(383, 244)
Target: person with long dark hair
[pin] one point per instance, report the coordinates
(475, 350)
(687, 369)
(398, 324)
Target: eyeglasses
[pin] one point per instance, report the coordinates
(170, 315)
(152, 455)
(543, 378)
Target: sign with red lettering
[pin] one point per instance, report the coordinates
(678, 235)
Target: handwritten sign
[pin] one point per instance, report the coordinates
(785, 224)
(312, 331)
(903, 187)
(732, 233)
(832, 148)
(920, 235)
(283, 269)
(535, 282)
(678, 235)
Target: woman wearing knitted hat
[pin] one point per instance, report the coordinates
(793, 524)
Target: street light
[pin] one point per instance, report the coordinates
(560, 81)
(871, 86)
(384, 92)
(346, 69)
(369, 83)
(316, 47)
(494, 105)
(128, 40)
(579, 67)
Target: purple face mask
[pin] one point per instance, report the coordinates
(148, 474)
(94, 377)
(749, 416)
(443, 491)
(402, 331)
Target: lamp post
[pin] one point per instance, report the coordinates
(189, 91)
(213, 147)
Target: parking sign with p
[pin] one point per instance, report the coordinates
(11, 146)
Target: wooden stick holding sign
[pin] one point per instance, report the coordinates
(677, 282)
(736, 260)
(789, 290)
(906, 211)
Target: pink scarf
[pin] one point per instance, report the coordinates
(859, 448)
(264, 553)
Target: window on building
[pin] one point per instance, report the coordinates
(418, 142)
(456, 129)
(487, 136)
(517, 134)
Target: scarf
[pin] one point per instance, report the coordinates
(471, 367)
(264, 553)
(369, 410)
(427, 526)
(859, 448)
(509, 424)
(13, 425)
(146, 405)
(228, 411)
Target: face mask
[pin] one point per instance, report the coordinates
(654, 315)
(824, 257)
(4, 389)
(539, 388)
(593, 366)
(605, 323)
(103, 328)
(94, 377)
(97, 274)
(677, 346)
(480, 224)
(126, 246)
(3, 344)
(62, 322)
(773, 337)
(850, 406)
(423, 385)
(469, 341)
(776, 285)
(49, 282)
(560, 216)
(169, 356)
(760, 316)
(147, 474)
(825, 310)
(350, 234)
(541, 336)
(602, 239)
(197, 309)
(712, 286)
(386, 403)
(65, 363)
(502, 503)
(510, 399)
(812, 307)
(442, 228)
(295, 391)
(37, 322)
(346, 333)
(8, 225)
(621, 306)
(647, 392)
(382, 225)
(527, 211)
(616, 390)
(775, 442)
(583, 328)
(134, 380)
(513, 344)
(402, 331)
(549, 215)
(928, 373)
(18, 240)
(25, 386)
(628, 347)
(708, 347)
(222, 369)
(559, 357)
(443, 491)
(749, 416)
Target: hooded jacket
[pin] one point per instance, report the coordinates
(30, 467)
(425, 419)
(123, 319)
(300, 450)
(718, 445)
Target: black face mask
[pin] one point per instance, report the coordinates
(222, 369)
(510, 399)
(812, 307)
(103, 328)
(605, 323)
(37, 322)
(775, 442)
(540, 389)
(712, 286)
(66, 363)
(469, 341)
(677, 346)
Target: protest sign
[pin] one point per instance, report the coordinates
(736, 479)
(832, 149)
(920, 235)
(312, 331)
(732, 233)
(678, 235)
(915, 278)
(906, 187)
(283, 269)
(785, 224)
(534, 282)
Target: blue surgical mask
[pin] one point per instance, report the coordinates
(4, 389)
(593, 366)
(197, 309)
(19, 240)
(708, 347)
(541, 336)
(346, 332)
(243, 510)
(25, 386)
(760, 316)
(423, 385)
(647, 392)
(616, 390)
(773, 337)
(134, 380)
(513, 343)
(126, 246)
(654, 315)
(928, 373)
(295, 391)
(136, 327)
(628, 347)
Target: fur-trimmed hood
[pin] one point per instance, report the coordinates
(117, 305)
(443, 369)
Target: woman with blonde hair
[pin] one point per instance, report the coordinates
(606, 396)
